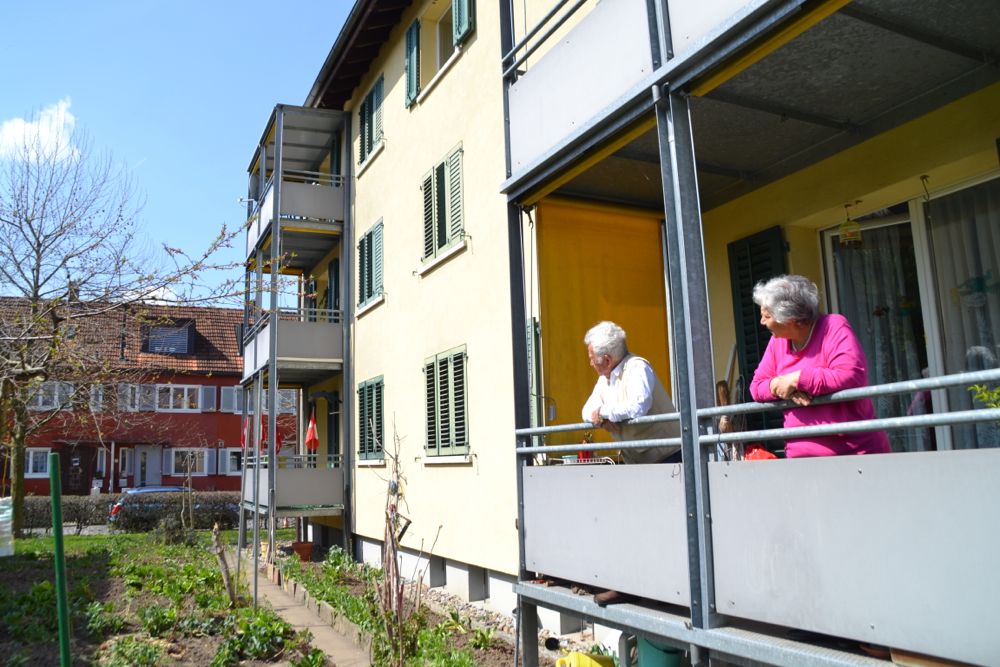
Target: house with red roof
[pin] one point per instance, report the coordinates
(153, 397)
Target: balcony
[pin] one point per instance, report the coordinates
(895, 549)
(307, 144)
(310, 344)
(304, 486)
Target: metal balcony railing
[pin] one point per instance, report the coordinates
(858, 547)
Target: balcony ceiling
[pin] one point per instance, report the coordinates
(307, 136)
(868, 68)
(367, 28)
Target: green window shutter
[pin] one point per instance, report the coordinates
(361, 420)
(459, 402)
(430, 375)
(362, 270)
(456, 219)
(335, 155)
(440, 208)
(376, 112)
(462, 19)
(445, 434)
(412, 62)
(378, 443)
(428, 188)
(364, 129)
(376, 243)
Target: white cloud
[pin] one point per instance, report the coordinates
(52, 127)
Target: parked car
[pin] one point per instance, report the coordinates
(142, 508)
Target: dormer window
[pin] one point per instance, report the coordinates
(174, 338)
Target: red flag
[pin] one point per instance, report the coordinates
(263, 435)
(243, 434)
(312, 440)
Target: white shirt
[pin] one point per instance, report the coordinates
(638, 383)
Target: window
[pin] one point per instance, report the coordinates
(230, 461)
(370, 265)
(447, 418)
(370, 122)
(432, 40)
(51, 395)
(184, 460)
(137, 397)
(36, 462)
(125, 462)
(169, 338)
(96, 398)
(443, 207)
(232, 400)
(177, 398)
(370, 419)
(99, 462)
(288, 400)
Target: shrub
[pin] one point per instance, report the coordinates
(144, 511)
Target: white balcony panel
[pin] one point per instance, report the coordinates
(896, 549)
(313, 201)
(310, 341)
(599, 60)
(257, 351)
(259, 224)
(692, 23)
(615, 527)
(300, 487)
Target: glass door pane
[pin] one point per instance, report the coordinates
(964, 230)
(876, 290)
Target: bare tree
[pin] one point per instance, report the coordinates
(71, 253)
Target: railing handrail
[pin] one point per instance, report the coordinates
(330, 460)
(548, 33)
(885, 423)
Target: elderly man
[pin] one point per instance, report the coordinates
(627, 388)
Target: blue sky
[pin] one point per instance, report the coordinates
(178, 92)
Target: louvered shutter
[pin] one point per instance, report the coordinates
(428, 189)
(168, 462)
(147, 397)
(210, 461)
(462, 20)
(376, 260)
(378, 443)
(456, 218)
(124, 395)
(222, 464)
(364, 129)
(240, 398)
(459, 403)
(445, 432)
(363, 268)
(228, 400)
(430, 375)
(412, 62)
(207, 399)
(376, 114)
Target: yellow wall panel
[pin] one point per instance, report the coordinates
(596, 263)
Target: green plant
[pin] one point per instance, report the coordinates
(314, 658)
(990, 397)
(482, 638)
(101, 619)
(170, 530)
(18, 660)
(157, 620)
(454, 623)
(131, 651)
(252, 634)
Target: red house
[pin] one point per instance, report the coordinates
(162, 404)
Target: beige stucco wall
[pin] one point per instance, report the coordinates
(464, 301)
(950, 145)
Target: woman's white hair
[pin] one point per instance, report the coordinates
(607, 338)
(788, 298)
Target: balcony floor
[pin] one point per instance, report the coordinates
(291, 511)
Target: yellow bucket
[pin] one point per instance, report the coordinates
(577, 659)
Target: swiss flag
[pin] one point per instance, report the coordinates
(243, 433)
(312, 440)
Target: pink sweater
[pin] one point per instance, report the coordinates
(831, 361)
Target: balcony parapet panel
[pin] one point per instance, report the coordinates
(305, 485)
(311, 203)
(310, 344)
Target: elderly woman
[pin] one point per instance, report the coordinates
(808, 355)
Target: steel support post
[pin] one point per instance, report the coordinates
(693, 380)
(346, 406)
(272, 361)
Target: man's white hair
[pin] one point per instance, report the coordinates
(607, 338)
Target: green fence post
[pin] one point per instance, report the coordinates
(62, 598)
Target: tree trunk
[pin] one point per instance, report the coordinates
(17, 454)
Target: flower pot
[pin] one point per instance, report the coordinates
(304, 550)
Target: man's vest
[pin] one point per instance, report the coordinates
(661, 405)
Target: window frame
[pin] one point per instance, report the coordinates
(186, 388)
(32, 453)
(435, 367)
(52, 395)
(174, 451)
(371, 400)
(371, 263)
(227, 454)
(443, 197)
(371, 133)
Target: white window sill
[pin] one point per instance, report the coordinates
(457, 459)
(439, 75)
(448, 253)
(370, 157)
(371, 463)
(36, 475)
(369, 306)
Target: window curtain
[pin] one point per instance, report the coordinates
(876, 281)
(964, 230)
